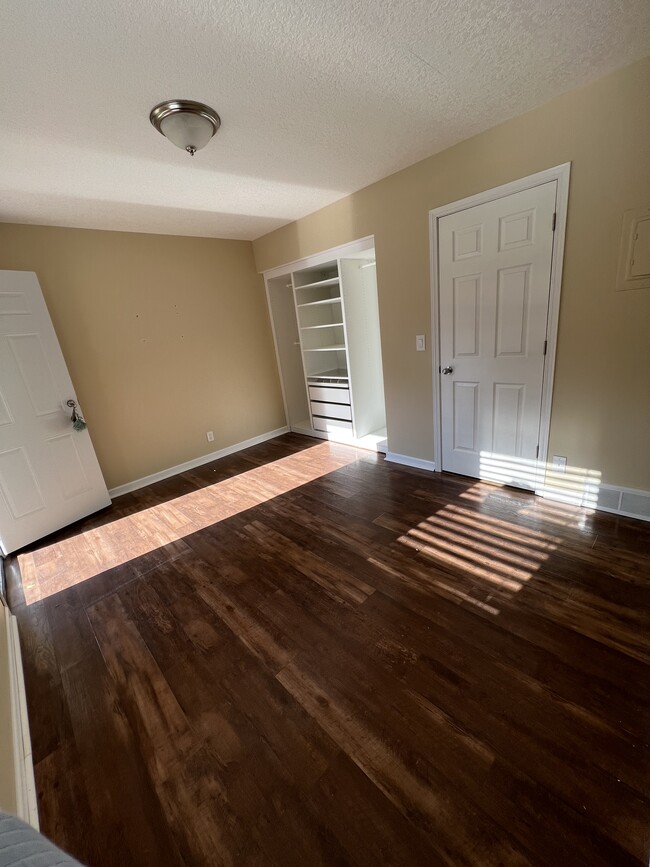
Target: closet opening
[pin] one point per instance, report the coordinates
(325, 317)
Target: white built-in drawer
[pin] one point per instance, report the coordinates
(331, 410)
(331, 424)
(329, 394)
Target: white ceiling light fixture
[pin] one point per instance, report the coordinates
(187, 124)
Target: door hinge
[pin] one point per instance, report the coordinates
(537, 452)
(545, 346)
(554, 221)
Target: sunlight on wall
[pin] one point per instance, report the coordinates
(67, 563)
(572, 486)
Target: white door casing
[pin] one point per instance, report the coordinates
(49, 474)
(494, 263)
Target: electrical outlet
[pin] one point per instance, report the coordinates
(420, 343)
(210, 436)
(559, 463)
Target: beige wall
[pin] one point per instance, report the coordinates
(601, 405)
(165, 339)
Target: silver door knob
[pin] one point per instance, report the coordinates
(447, 370)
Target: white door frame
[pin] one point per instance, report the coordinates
(561, 175)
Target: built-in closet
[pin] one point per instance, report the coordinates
(325, 320)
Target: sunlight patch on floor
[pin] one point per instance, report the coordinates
(500, 554)
(67, 563)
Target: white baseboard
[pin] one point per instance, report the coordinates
(626, 502)
(408, 461)
(196, 462)
(629, 502)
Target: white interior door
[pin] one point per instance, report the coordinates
(494, 278)
(49, 474)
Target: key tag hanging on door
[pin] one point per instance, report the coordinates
(77, 420)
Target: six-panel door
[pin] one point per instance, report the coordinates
(494, 273)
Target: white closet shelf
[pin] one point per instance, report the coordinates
(337, 373)
(336, 348)
(331, 281)
(336, 300)
(330, 291)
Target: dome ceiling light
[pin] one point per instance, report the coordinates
(187, 124)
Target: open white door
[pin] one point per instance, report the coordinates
(49, 474)
(495, 273)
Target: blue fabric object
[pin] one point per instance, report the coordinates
(22, 846)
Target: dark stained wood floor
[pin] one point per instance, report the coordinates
(378, 666)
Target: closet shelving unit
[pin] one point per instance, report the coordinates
(325, 322)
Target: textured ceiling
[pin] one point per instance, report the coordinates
(317, 98)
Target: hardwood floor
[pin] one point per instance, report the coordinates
(304, 655)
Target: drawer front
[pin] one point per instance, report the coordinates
(328, 394)
(331, 410)
(332, 424)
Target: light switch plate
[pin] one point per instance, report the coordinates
(420, 343)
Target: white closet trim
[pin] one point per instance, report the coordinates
(339, 252)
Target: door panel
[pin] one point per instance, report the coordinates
(512, 311)
(516, 230)
(35, 372)
(467, 300)
(467, 242)
(13, 303)
(72, 477)
(494, 274)
(508, 417)
(5, 415)
(466, 416)
(49, 474)
(18, 484)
